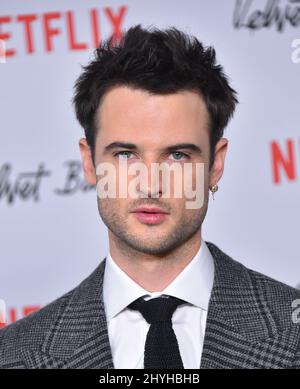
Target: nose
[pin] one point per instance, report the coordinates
(151, 183)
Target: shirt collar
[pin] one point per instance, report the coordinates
(193, 284)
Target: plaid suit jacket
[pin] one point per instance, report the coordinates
(249, 325)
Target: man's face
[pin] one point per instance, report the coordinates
(153, 124)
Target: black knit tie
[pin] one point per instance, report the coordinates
(161, 348)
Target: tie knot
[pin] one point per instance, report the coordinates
(159, 309)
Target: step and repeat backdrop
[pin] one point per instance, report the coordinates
(51, 235)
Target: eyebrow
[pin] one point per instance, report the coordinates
(132, 146)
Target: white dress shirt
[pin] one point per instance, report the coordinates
(127, 329)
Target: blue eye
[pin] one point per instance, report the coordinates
(122, 153)
(180, 155)
(176, 154)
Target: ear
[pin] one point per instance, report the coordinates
(218, 166)
(87, 162)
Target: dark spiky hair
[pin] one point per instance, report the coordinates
(160, 62)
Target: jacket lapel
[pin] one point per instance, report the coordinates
(79, 338)
(241, 331)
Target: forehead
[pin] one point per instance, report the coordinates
(137, 113)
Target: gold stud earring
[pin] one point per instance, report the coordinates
(213, 190)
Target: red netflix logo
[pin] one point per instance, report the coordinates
(8, 316)
(2, 313)
(2, 51)
(283, 160)
(51, 25)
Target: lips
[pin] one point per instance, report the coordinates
(150, 210)
(150, 215)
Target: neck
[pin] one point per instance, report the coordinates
(153, 272)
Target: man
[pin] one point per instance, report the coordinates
(162, 297)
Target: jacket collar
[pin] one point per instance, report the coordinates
(240, 327)
(79, 337)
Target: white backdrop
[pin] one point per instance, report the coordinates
(51, 236)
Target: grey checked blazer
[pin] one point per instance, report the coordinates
(249, 325)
